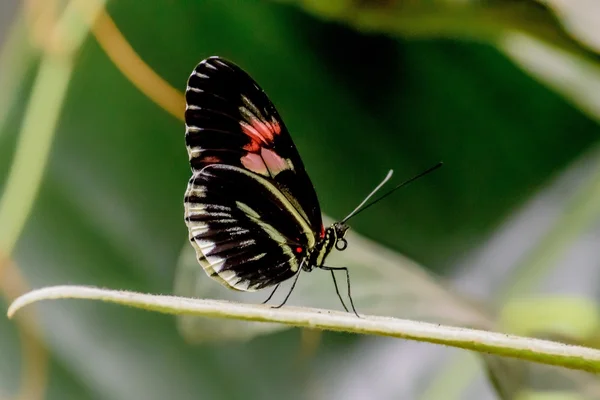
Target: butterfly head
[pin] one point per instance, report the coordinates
(340, 229)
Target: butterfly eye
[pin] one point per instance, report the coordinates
(341, 244)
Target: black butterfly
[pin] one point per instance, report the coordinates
(251, 210)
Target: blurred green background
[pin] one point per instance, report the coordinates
(506, 93)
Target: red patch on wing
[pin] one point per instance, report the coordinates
(264, 162)
(255, 163)
(298, 249)
(260, 133)
(274, 125)
(322, 232)
(211, 159)
(272, 160)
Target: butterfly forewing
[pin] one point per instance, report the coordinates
(251, 210)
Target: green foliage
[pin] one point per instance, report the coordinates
(504, 92)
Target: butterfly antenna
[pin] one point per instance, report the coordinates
(389, 175)
(383, 182)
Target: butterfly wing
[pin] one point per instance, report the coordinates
(230, 120)
(251, 209)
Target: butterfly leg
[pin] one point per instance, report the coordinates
(291, 290)
(271, 295)
(336, 287)
(337, 291)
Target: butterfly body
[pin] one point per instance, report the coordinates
(333, 235)
(251, 210)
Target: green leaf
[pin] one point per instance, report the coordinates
(542, 351)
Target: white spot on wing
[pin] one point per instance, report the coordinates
(197, 228)
(247, 243)
(220, 216)
(254, 216)
(257, 257)
(251, 108)
(245, 208)
(195, 190)
(228, 276)
(292, 260)
(254, 287)
(272, 232)
(216, 262)
(243, 285)
(194, 151)
(247, 114)
(192, 128)
(205, 245)
(200, 75)
(193, 89)
(236, 230)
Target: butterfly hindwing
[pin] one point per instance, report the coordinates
(239, 230)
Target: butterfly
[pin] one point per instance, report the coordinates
(251, 209)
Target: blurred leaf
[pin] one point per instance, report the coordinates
(549, 396)
(16, 58)
(574, 77)
(532, 34)
(484, 21)
(581, 18)
(578, 214)
(562, 316)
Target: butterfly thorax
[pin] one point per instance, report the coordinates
(332, 236)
